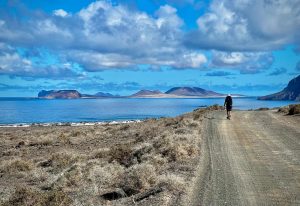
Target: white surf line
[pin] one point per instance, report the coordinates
(72, 124)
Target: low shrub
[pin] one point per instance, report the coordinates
(26, 196)
(262, 109)
(138, 178)
(122, 154)
(284, 109)
(17, 165)
(75, 133)
(294, 109)
(215, 107)
(45, 142)
(64, 138)
(173, 182)
(60, 161)
(73, 177)
(101, 153)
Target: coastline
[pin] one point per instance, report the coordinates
(98, 163)
(73, 124)
(131, 97)
(149, 162)
(120, 121)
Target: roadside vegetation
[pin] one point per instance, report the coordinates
(292, 109)
(147, 163)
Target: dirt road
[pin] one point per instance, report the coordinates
(253, 159)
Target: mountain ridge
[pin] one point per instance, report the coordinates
(59, 94)
(192, 91)
(145, 92)
(175, 92)
(290, 92)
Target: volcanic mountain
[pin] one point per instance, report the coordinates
(147, 93)
(59, 94)
(192, 91)
(102, 94)
(291, 92)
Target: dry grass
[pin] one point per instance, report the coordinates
(284, 110)
(290, 109)
(100, 153)
(17, 165)
(294, 109)
(44, 142)
(262, 109)
(75, 133)
(122, 154)
(138, 178)
(66, 165)
(173, 182)
(26, 196)
(62, 160)
(63, 138)
(72, 178)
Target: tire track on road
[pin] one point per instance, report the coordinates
(254, 159)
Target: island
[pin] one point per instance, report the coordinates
(175, 92)
(59, 94)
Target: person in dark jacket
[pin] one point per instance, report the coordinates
(228, 105)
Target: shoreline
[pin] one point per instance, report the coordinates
(72, 124)
(108, 162)
(132, 97)
(111, 122)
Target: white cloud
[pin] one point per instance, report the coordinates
(2, 22)
(229, 59)
(94, 61)
(247, 25)
(104, 36)
(245, 62)
(60, 12)
(191, 60)
(11, 61)
(13, 64)
(121, 38)
(116, 37)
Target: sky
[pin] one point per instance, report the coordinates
(249, 47)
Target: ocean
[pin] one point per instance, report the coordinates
(30, 110)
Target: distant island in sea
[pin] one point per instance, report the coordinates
(176, 92)
(291, 92)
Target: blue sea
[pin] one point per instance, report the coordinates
(30, 110)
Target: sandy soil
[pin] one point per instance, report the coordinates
(148, 163)
(253, 159)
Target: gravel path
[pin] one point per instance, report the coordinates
(253, 159)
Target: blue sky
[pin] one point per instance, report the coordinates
(244, 46)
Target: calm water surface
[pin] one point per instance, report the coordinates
(24, 110)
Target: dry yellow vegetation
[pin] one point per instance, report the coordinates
(152, 162)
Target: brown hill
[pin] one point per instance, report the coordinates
(291, 92)
(192, 91)
(145, 93)
(59, 94)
